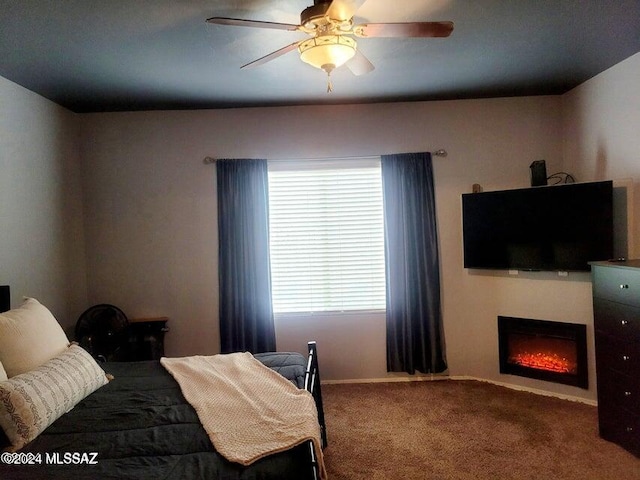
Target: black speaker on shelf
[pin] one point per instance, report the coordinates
(538, 173)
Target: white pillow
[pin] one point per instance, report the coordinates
(29, 336)
(3, 374)
(32, 401)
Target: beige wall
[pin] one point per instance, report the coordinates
(151, 218)
(602, 132)
(41, 230)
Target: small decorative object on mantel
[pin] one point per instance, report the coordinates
(538, 173)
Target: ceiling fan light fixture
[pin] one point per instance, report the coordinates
(327, 52)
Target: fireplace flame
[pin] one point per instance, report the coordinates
(544, 361)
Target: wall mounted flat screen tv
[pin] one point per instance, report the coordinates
(551, 228)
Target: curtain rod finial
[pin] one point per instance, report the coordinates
(208, 160)
(440, 153)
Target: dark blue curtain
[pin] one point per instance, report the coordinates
(415, 338)
(246, 313)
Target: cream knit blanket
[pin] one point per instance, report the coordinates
(248, 410)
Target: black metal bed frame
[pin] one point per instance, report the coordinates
(312, 385)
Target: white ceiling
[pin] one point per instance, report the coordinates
(114, 55)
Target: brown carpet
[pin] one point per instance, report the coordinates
(464, 430)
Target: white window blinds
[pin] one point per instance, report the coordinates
(326, 235)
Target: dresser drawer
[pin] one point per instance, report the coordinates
(620, 285)
(618, 355)
(623, 428)
(617, 320)
(618, 391)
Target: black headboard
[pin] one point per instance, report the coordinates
(5, 298)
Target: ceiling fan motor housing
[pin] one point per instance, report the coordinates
(315, 16)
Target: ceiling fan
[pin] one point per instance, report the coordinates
(331, 29)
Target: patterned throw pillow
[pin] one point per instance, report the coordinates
(32, 401)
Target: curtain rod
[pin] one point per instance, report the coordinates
(438, 153)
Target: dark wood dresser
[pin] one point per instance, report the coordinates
(146, 338)
(616, 306)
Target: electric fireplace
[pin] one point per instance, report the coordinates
(551, 351)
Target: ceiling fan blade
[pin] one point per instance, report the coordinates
(413, 29)
(359, 64)
(271, 56)
(238, 22)
(343, 9)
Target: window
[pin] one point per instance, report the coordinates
(326, 235)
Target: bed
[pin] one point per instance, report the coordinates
(139, 425)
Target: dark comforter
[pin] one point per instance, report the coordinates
(141, 427)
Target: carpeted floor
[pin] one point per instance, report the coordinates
(464, 430)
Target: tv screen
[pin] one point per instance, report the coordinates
(559, 227)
